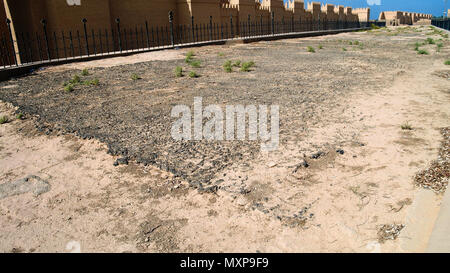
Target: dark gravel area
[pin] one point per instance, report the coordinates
(133, 116)
(437, 176)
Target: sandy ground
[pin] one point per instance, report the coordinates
(163, 55)
(81, 202)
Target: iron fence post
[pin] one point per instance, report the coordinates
(192, 27)
(142, 37)
(8, 22)
(56, 45)
(38, 39)
(146, 30)
(261, 25)
(30, 47)
(84, 20)
(64, 44)
(107, 42)
(273, 22)
(93, 42)
(172, 39)
(248, 26)
(71, 44)
(119, 37)
(292, 23)
(318, 21)
(101, 42)
(157, 36)
(44, 26)
(196, 33)
(210, 28)
(231, 26)
(79, 42)
(24, 47)
(3, 57)
(5, 46)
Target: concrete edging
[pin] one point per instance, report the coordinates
(439, 241)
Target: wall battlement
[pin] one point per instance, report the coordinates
(102, 14)
(396, 18)
(151, 17)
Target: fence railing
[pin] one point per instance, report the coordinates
(441, 23)
(23, 48)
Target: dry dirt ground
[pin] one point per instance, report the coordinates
(60, 190)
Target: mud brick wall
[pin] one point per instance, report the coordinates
(101, 14)
(4, 38)
(402, 18)
(64, 17)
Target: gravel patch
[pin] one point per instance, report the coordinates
(437, 176)
(133, 116)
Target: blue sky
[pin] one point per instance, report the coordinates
(435, 7)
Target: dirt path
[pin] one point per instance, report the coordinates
(272, 204)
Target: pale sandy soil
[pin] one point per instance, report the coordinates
(338, 203)
(162, 55)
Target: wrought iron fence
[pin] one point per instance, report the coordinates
(18, 49)
(441, 23)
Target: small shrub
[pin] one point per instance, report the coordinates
(430, 41)
(447, 62)
(95, 82)
(189, 57)
(192, 74)
(92, 82)
(311, 49)
(85, 72)
(195, 64)
(350, 43)
(246, 66)
(190, 54)
(416, 46)
(19, 116)
(221, 54)
(227, 67)
(320, 46)
(344, 49)
(68, 88)
(439, 47)
(178, 71)
(373, 26)
(237, 63)
(135, 77)
(76, 79)
(4, 119)
(406, 126)
(422, 52)
(356, 43)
